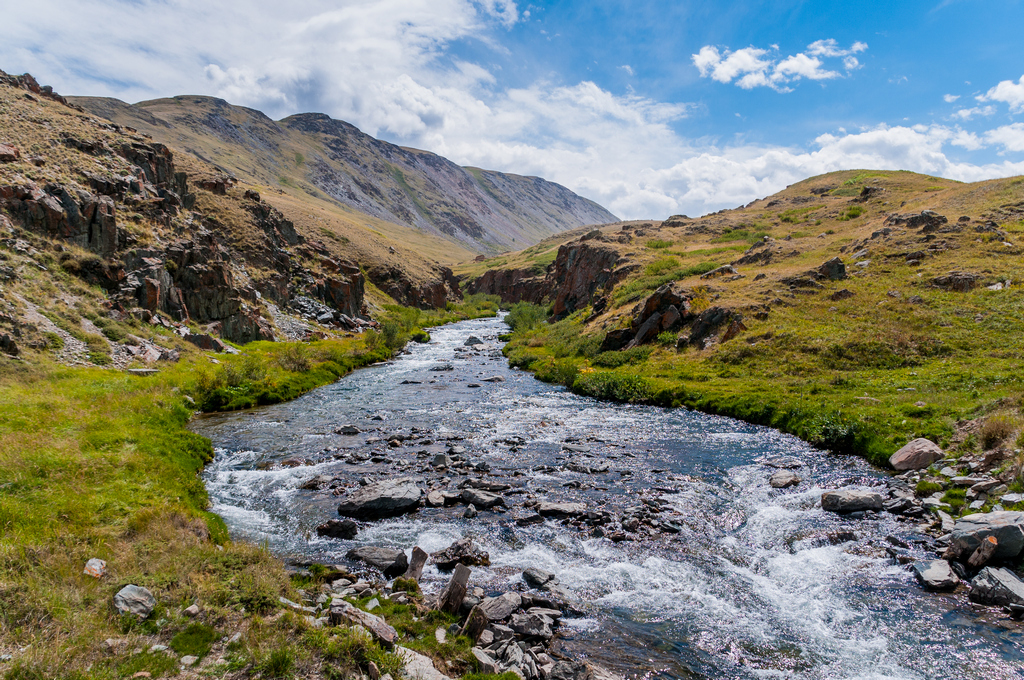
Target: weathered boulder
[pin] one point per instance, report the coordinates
(383, 499)
(928, 220)
(997, 587)
(481, 499)
(8, 153)
(960, 282)
(338, 528)
(916, 455)
(783, 479)
(343, 612)
(501, 607)
(936, 575)
(843, 501)
(529, 625)
(616, 339)
(833, 270)
(418, 666)
(551, 509)
(462, 551)
(134, 600)
(390, 561)
(1007, 527)
(538, 578)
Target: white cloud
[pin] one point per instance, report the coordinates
(967, 114)
(752, 67)
(950, 98)
(1010, 137)
(1008, 92)
(627, 68)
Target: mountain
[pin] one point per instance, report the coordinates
(479, 210)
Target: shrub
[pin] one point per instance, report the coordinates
(700, 299)
(853, 212)
(658, 244)
(614, 387)
(294, 357)
(525, 316)
(926, 488)
(278, 664)
(661, 266)
(996, 430)
(391, 333)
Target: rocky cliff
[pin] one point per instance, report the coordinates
(163, 238)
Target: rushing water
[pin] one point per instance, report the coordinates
(758, 583)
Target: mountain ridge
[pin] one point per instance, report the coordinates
(483, 211)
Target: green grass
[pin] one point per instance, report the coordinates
(658, 244)
(657, 276)
(195, 640)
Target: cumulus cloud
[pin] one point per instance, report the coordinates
(752, 67)
(1010, 137)
(950, 98)
(1008, 92)
(967, 114)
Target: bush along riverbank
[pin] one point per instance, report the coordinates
(98, 468)
(957, 449)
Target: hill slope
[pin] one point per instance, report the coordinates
(316, 156)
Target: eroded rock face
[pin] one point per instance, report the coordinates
(57, 211)
(511, 285)
(580, 269)
(916, 455)
(383, 499)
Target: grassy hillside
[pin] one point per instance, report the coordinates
(860, 365)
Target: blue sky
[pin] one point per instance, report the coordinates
(650, 108)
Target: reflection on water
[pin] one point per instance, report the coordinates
(751, 586)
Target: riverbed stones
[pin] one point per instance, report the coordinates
(1007, 527)
(783, 479)
(481, 499)
(462, 551)
(538, 578)
(916, 455)
(844, 501)
(531, 626)
(936, 575)
(390, 561)
(338, 528)
(135, 601)
(388, 498)
(501, 607)
(554, 509)
(997, 587)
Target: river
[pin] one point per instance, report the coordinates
(757, 582)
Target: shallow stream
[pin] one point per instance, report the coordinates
(757, 583)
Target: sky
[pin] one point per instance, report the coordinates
(650, 108)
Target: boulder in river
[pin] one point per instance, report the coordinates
(538, 578)
(1006, 526)
(848, 500)
(783, 479)
(916, 455)
(472, 341)
(462, 551)
(936, 575)
(338, 528)
(481, 499)
(998, 587)
(551, 509)
(390, 561)
(382, 499)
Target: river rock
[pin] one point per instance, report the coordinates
(481, 499)
(435, 499)
(390, 561)
(551, 509)
(338, 528)
(998, 587)
(936, 575)
(462, 551)
(501, 607)
(531, 626)
(783, 479)
(382, 499)
(472, 341)
(1007, 527)
(916, 455)
(470, 512)
(134, 600)
(848, 500)
(538, 578)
